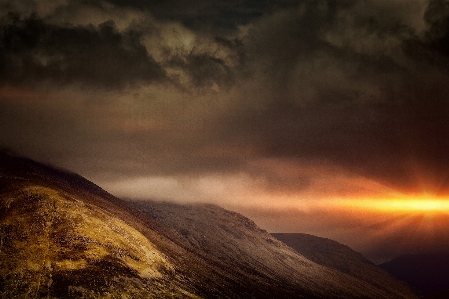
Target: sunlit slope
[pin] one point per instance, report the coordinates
(338, 256)
(61, 236)
(54, 244)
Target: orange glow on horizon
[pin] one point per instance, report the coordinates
(406, 205)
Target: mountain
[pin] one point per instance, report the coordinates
(427, 272)
(238, 248)
(334, 255)
(439, 295)
(62, 236)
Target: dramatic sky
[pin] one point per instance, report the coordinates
(307, 116)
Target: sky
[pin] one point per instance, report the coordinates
(306, 116)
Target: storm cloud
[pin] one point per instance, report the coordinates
(33, 52)
(357, 83)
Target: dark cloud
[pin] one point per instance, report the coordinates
(388, 141)
(33, 52)
(205, 69)
(437, 17)
(379, 113)
(433, 47)
(348, 83)
(221, 16)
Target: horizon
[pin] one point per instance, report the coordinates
(320, 117)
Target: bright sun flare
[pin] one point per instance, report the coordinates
(399, 205)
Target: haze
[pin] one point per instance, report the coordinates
(290, 112)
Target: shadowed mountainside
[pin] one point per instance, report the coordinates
(427, 272)
(439, 295)
(236, 244)
(335, 255)
(64, 237)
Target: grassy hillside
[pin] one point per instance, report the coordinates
(55, 245)
(62, 236)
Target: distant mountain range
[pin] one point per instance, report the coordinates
(427, 272)
(62, 236)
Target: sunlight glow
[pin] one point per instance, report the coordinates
(398, 205)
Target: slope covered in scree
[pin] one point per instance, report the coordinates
(332, 254)
(62, 236)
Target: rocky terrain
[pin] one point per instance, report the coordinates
(62, 236)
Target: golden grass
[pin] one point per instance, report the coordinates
(49, 230)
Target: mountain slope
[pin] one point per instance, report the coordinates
(64, 237)
(56, 243)
(236, 245)
(332, 254)
(428, 272)
(439, 295)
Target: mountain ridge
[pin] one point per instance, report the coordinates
(96, 245)
(335, 255)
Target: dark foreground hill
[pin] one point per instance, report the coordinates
(439, 295)
(334, 255)
(428, 272)
(61, 236)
